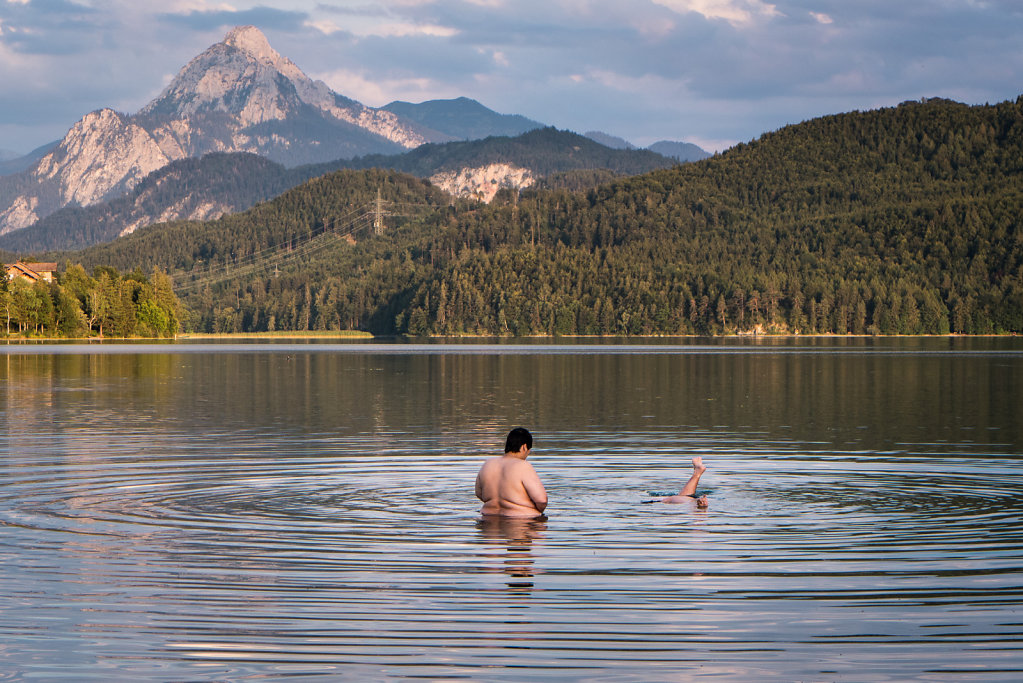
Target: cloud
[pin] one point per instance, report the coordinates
(370, 9)
(377, 92)
(404, 29)
(499, 58)
(56, 27)
(604, 57)
(383, 20)
(643, 69)
(733, 11)
(362, 10)
(324, 26)
(263, 17)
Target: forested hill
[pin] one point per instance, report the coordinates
(222, 183)
(898, 221)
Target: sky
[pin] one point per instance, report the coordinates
(711, 72)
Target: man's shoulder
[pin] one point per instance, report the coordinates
(506, 463)
(519, 467)
(494, 463)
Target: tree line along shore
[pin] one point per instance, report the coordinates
(74, 304)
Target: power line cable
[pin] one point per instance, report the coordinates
(278, 256)
(366, 217)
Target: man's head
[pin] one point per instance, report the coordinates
(517, 438)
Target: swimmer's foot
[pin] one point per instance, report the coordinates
(698, 465)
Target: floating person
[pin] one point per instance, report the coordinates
(507, 484)
(688, 492)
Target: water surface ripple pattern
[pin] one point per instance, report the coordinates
(236, 515)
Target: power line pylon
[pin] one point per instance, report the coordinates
(378, 215)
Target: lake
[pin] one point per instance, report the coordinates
(223, 511)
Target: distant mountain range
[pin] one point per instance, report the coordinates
(221, 183)
(680, 151)
(238, 95)
(15, 163)
(462, 118)
(242, 96)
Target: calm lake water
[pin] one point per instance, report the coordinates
(268, 511)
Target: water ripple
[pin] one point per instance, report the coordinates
(257, 543)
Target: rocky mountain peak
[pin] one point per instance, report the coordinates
(244, 77)
(239, 75)
(251, 40)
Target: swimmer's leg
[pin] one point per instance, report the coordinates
(698, 469)
(688, 491)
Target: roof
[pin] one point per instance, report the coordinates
(31, 271)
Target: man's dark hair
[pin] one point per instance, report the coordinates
(516, 438)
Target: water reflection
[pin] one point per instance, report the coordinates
(932, 391)
(246, 514)
(516, 535)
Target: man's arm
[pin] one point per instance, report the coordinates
(534, 488)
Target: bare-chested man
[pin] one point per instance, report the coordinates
(508, 485)
(688, 492)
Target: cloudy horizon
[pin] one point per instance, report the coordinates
(711, 72)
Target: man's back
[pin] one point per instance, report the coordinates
(509, 486)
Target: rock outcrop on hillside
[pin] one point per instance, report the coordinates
(238, 96)
(482, 183)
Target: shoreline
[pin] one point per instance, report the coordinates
(304, 334)
(319, 334)
(360, 335)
